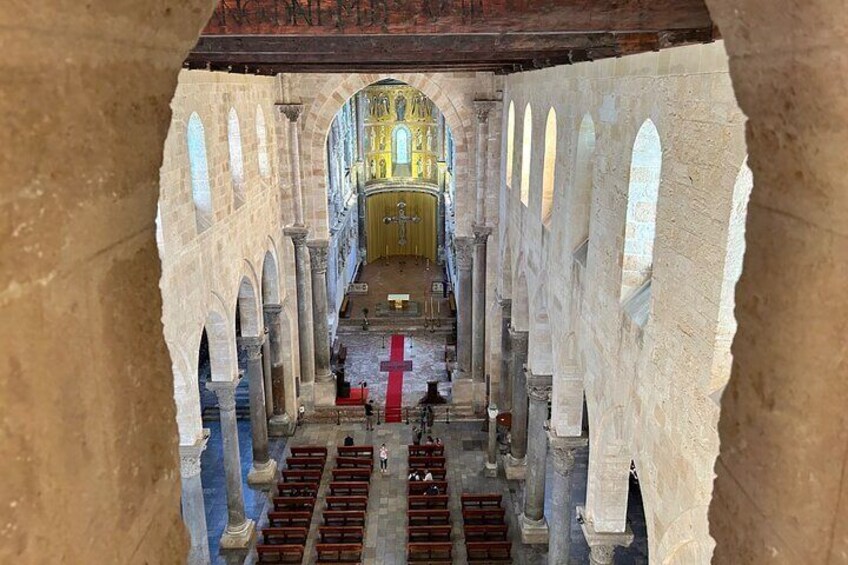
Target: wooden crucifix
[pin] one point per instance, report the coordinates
(401, 219)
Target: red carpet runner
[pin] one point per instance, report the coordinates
(394, 388)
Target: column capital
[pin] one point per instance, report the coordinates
(190, 456)
(226, 392)
(298, 234)
(318, 250)
(464, 253)
(482, 109)
(562, 450)
(272, 309)
(291, 111)
(252, 346)
(539, 387)
(521, 337)
(601, 544)
(481, 233)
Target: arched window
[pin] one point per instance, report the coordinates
(236, 157)
(510, 143)
(526, 154)
(402, 145)
(262, 138)
(201, 191)
(645, 169)
(549, 172)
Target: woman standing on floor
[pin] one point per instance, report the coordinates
(384, 458)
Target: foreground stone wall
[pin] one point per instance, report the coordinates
(202, 272)
(89, 440)
(645, 362)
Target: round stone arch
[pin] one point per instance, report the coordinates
(221, 334)
(323, 110)
(609, 470)
(540, 355)
(505, 278)
(520, 297)
(271, 287)
(184, 361)
(249, 302)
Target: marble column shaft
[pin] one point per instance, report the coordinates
(193, 506)
(539, 393)
(273, 314)
(318, 258)
(464, 260)
(478, 331)
(492, 451)
(518, 443)
(293, 112)
(252, 346)
(506, 356)
(562, 454)
(304, 307)
(238, 526)
(268, 385)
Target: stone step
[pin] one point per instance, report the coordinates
(353, 414)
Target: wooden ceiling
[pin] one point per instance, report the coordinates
(502, 36)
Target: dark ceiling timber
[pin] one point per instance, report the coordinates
(503, 36)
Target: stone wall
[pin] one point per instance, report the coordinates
(644, 361)
(202, 273)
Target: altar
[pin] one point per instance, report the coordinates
(398, 306)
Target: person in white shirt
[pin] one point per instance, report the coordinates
(384, 458)
(428, 476)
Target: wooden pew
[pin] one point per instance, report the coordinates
(355, 451)
(481, 500)
(347, 503)
(354, 463)
(279, 553)
(294, 503)
(352, 475)
(424, 450)
(483, 516)
(420, 487)
(426, 462)
(300, 476)
(289, 519)
(344, 518)
(430, 533)
(349, 489)
(306, 463)
(438, 474)
(427, 502)
(339, 553)
(285, 536)
(309, 451)
(486, 533)
(431, 553)
(331, 534)
(297, 489)
(438, 517)
(489, 552)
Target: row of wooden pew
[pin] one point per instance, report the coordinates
(429, 531)
(486, 532)
(284, 540)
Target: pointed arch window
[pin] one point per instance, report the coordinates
(402, 144)
(201, 191)
(549, 171)
(526, 154)
(236, 157)
(510, 143)
(262, 148)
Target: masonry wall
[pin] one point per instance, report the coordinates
(202, 271)
(644, 365)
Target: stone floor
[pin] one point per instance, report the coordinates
(365, 350)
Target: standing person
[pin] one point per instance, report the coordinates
(431, 417)
(416, 436)
(369, 415)
(384, 458)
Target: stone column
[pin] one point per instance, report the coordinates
(561, 451)
(325, 385)
(267, 383)
(516, 463)
(478, 331)
(440, 228)
(492, 453)
(602, 544)
(194, 510)
(240, 531)
(280, 423)
(534, 527)
(293, 112)
(506, 356)
(264, 471)
(464, 262)
(482, 108)
(304, 310)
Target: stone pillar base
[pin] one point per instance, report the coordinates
(533, 532)
(462, 390)
(515, 469)
(281, 425)
(324, 392)
(491, 469)
(263, 477)
(241, 537)
(307, 395)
